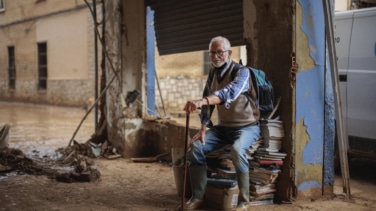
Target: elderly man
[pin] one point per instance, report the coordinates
(237, 122)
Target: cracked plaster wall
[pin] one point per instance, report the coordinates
(310, 98)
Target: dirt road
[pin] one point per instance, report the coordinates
(124, 185)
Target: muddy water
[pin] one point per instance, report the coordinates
(45, 128)
(38, 130)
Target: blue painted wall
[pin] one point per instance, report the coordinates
(314, 102)
(150, 62)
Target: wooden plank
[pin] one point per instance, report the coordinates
(149, 159)
(337, 98)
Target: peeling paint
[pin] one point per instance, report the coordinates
(130, 126)
(308, 184)
(310, 107)
(305, 172)
(133, 125)
(310, 97)
(303, 55)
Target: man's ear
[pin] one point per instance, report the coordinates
(229, 53)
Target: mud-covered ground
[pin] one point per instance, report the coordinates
(123, 185)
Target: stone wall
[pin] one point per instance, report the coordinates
(176, 91)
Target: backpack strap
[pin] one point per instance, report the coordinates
(253, 88)
(256, 91)
(235, 70)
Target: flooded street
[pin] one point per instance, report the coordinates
(42, 129)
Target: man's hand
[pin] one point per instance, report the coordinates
(199, 136)
(192, 106)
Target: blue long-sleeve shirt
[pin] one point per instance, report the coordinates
(229, 93)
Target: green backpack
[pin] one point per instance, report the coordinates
(263, 87)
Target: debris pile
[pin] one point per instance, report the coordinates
(15, 160)
(74, 165)
(79, 156)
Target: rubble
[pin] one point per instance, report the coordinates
(78, 158)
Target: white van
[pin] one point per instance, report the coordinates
(355, 40)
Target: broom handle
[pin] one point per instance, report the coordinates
(185, 160)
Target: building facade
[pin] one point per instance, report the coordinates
(47, 52)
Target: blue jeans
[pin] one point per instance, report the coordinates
(218, 136)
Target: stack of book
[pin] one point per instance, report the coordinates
(220, 164)
(225, 160)
(265, 159)
(269, 152)
(263, 176)
(272, 132)
(255, 145)
(262, 185)
(268, 158)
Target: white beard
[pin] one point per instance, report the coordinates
(218, 65)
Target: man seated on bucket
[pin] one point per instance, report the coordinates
(237, 123)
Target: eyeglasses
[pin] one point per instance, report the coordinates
(218, 53)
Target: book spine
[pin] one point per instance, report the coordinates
(270, 162)
(261, 202)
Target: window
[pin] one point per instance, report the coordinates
(11, 68)
(2, 7)
(42, 65)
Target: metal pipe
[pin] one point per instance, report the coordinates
(96, 62)
(186, 145)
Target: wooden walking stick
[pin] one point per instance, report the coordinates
(185, 160)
